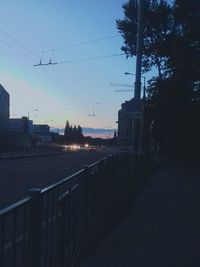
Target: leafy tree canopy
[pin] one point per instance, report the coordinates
(157, 21)
(72, 133)
(171, 42)
(171, 36)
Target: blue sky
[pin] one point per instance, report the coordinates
(31, 30)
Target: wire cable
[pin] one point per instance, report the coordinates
(60, 80)
(83, 43)
(90, 58)
(67, 61)
(19, 43)
(16, 49)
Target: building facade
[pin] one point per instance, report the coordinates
(42, 131)
(126, 115)
(4, 109)
(21, 125)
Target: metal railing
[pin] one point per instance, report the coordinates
(49, 228)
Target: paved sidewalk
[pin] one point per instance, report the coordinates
(163, 227)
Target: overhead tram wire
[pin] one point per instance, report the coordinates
(50, 63)
(83, 43)
(33, 53)
(17, 67)
(16, 49)
(59, 80)
(73, 45)
(89, 59)
(67, 61)
(122, 90)
(19, 43)
(61, 85)
(62, 62)
(54, 49)
(81, 60)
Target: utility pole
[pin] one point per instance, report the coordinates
(139, 46)
(137, 112)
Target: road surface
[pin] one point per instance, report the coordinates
(19, 175)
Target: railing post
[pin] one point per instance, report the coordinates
(85, 198)
(34, 228)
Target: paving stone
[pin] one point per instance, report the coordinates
(163, 227)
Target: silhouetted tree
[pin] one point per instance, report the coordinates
(79, 132)
(183, 41)
(172, 44)
(115, 138)
(67, 129)
(155, 29)
(73, 133)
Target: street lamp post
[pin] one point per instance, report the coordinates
(144, 83)
(142, 119)
(137, 106)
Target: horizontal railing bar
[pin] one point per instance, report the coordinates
(15, 205)
(53, 186)
(71, 176)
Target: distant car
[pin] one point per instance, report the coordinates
(92, 148)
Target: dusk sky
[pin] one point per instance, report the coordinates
(76, 35)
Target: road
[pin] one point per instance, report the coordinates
(19, 175)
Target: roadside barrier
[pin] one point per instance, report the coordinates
(50, 227)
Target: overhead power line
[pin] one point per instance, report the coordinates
(68, 46)
(84, 43)
(12, 47)
(89, 58)
(79, 60)
(65, 62)
(19, 43)
(123, 90)
(60, 81)
(122, 84)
